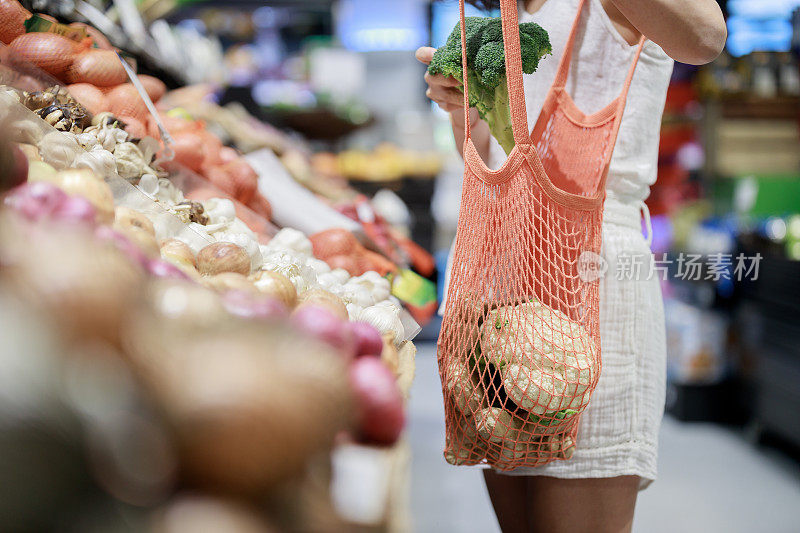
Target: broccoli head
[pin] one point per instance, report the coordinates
(486, 68)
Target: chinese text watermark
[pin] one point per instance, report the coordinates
(683, 266)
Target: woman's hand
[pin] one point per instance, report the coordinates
(441, 89)
(445, 92)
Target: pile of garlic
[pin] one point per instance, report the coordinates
(103, 148)
(367, 297)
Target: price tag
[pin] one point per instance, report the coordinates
(412, 288)
(39, 24)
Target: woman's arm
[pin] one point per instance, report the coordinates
(444, 92)
(689, 31)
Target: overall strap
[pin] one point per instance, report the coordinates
(513, 60)
(625, 88)
(566, 57)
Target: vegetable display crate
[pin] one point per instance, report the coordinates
(371, 485)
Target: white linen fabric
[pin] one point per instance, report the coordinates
(618, 432)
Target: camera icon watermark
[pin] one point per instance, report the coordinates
(591, 266)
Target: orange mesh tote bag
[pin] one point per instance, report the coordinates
(519, 349)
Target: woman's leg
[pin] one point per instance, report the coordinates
(509, 499)
(603, 505)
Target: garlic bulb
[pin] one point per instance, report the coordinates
(59, 149)
(292, 239)
(354, 312)
(26, 131)
(328, 281)
(288, 264)
(87, 140)
(341, 274)
(356, 293)
(149, 148)
(245, 241)
(168, 193)
(219, 210)
(384, 318)
(130, 161)
(107, 135)
(317, 266)
(237, 226)
(300, 283)
(148, 184)
(378, 286)
(99, 160)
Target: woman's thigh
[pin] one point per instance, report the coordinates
(509, 500)
(602, 505)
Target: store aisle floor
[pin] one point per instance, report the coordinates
(711, 480)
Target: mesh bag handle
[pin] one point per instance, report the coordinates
(614, 111)
(513, 60)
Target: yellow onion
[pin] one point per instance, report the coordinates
(83, 182)
(178, 253)
(82, 285)
(277, 286)
(125, 217)
(223, 257)
(323, 298)
(41, 171)
(228, 281)
(31, 152)
(190, 514)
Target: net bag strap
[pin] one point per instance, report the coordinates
(566, 57)
(513, 59)
(621, 101)
(563, 73)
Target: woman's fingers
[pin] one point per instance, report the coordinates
(441, 89)
(448, 98)
(425, 54)
(440, 79)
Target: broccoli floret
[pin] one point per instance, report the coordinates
(486, 68)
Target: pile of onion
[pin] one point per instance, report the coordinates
(379, 404)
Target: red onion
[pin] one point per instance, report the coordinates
(164, 269)
(379, 404)
(35, 200)
(106, 234)
(322, 324)
(76, 209)
(245, 304)
(368, 340)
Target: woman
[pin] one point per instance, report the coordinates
(596, 490)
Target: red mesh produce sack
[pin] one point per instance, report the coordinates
(12, 20)
(101, 68)
(125, 100)
(519, 349)
(50, 52)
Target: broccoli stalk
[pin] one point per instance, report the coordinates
(486, 68)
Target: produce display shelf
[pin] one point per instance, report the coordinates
(371, 486)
